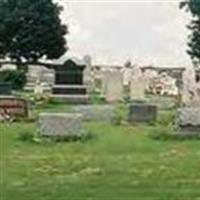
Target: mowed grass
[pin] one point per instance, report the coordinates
(118, 163)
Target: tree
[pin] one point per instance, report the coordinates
(193, 6)
(30, 30)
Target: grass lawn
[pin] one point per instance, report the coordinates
(119, 163)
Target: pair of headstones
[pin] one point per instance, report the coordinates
(113, 87)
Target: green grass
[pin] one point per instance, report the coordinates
(119, 163)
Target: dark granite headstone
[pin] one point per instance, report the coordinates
(67, 77)
(69, 74)
(69, 85)
(142, 113)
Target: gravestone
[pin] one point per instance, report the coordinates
(138, 85)
(142, 113)
(12, 107)
(60, 124)
(189, 119)
(127, 74)
(188, 116)
(39, 73)
(113, 86)
(69, 85)
(88, 73)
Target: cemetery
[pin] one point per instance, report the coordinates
(117, 137)
(74, 127)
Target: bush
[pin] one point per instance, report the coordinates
(26, 136)
(120, 114)
(17, 78)
(166, 118)
(161, 133)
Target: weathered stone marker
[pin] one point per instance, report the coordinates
(188, 116)
(60, 124)
(113, 86)
(142, 113)
(189, 119)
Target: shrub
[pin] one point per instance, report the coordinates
(166, 118)
(120, 114)
(17, 78)
(161, 132)
(26, 136)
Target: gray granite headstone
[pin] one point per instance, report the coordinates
(60, 124)
(142, 113)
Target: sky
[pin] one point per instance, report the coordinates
(147, 32)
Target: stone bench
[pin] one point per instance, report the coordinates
(60, 124)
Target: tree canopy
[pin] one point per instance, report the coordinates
(193, 6)
(31, 29)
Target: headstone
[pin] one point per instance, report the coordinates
(142, 113)
(12, 107)
(38, 90)
(96, 112)
(189, 119)
(127, 74)
(189, 87)
(69, 84)
(113, 86)
(188, 116)
(60, 124)
(42, 74)
(138, 85)
(88, 73)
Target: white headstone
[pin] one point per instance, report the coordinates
(88, 74)
(190, 94)
(38, 90)
(113, 86)
(127, 73)
(138, 85)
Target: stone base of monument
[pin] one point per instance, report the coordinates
(61, 125)
(71, 93)
(188, 120)
(142, 113)
(30, 87)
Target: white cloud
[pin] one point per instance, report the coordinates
(148, 32)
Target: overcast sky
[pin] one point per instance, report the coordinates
(146, 32)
